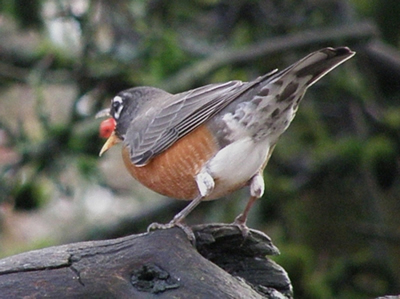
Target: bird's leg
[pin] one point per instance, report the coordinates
(256, 191)
(205, 184)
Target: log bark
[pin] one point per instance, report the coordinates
(158, 264)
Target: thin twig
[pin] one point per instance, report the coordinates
(186, 77)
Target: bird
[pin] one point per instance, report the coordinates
(208, 142)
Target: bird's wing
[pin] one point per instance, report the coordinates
(152, 133)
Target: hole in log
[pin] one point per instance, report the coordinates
(152, 279)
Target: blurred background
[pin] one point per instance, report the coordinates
(332, 200)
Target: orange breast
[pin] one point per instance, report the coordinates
(172, 172)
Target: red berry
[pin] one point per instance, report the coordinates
(107, 127)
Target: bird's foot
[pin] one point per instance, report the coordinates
(186, 229)
(156, 226)
(240, 222)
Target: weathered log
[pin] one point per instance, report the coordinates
(158, 264)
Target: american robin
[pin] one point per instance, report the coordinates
(207, 142)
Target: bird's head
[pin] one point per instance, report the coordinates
(125, 107)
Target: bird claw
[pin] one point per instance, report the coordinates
(186, 229)
(240, 222)
(156, 226)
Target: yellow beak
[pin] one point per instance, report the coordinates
(111, 141)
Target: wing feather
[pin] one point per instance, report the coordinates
(152, 133)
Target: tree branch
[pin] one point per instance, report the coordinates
(186, 77)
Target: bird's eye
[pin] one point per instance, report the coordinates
(117, 107)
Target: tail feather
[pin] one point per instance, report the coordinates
(277, 101)
(318, 64)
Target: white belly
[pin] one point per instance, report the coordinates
(236, 164)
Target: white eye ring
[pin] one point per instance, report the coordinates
(117, 99)
(120, 107)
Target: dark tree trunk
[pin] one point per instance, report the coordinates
(159, 264)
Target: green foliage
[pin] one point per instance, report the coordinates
(29, 195)
(392, 117)
(26, 13)
(299, 261)
(163, 58)
(380, 156)
(360, 276)
(61, 58)
(87, 167)
(386, 14)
